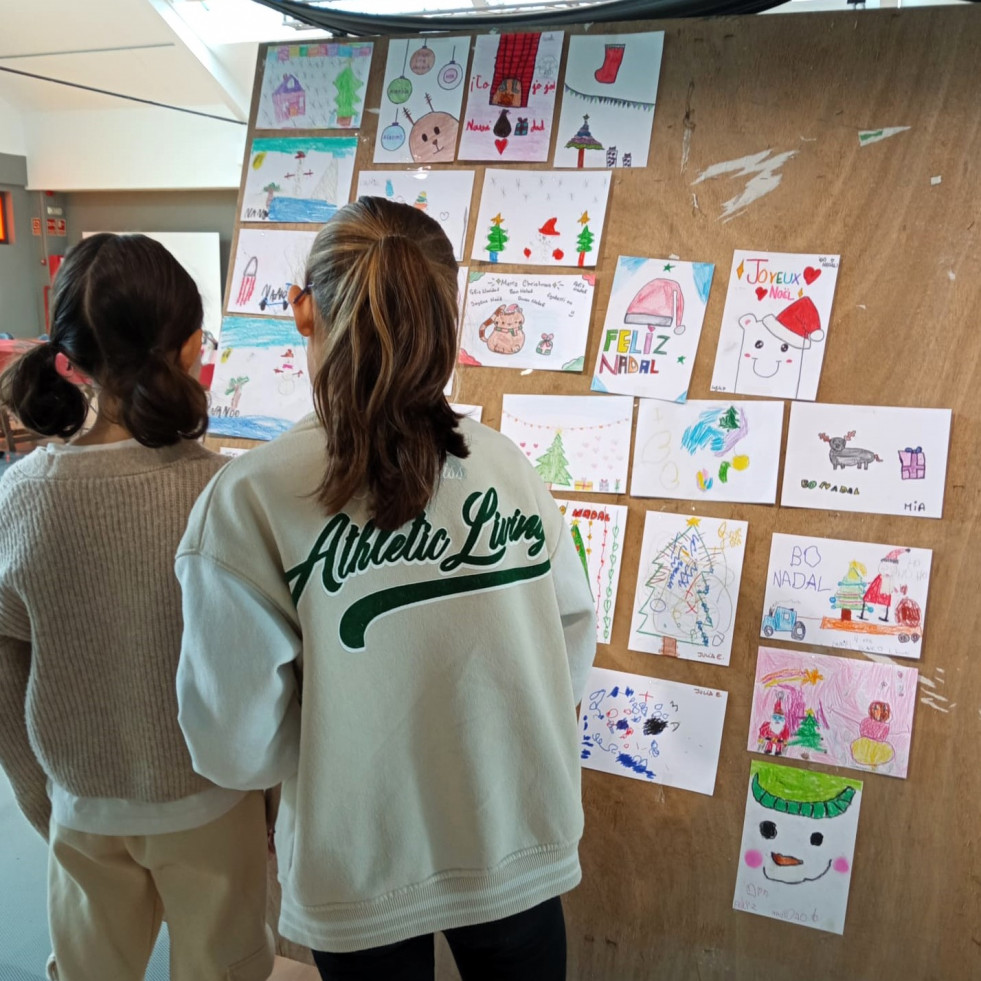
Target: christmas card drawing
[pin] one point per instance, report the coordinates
(298, 179)
(833, 710)
(798, 845)
(687, 586)
(608, 98)
(877, 459)
(856, 595)
(710, 450)
(648, 729)
(267, 262)
(527, 321)
(314, 86)
(541, 217)
(513, 79)
(422, 95)
(442, 194)
(653, 322)
(775, 324)
(598, 531)
(260, 387)
(578, 443)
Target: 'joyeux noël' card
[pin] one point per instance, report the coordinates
(648, 729)
(608, 97)
(419, 117)
(688, 586)
(576, 442)
(653, 322)
(513, 78)
(314, 86)
(708, 448)
(872, 458)
(798, 845)
(841, 711)
(598, 531)
(541, 217)
(856, 595)
(775, 324)
(444, 195)
(526, 321)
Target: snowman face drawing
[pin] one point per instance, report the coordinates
(432, 138)
(768, 365)
(793, 849)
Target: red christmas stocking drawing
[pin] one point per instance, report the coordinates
(607, 72)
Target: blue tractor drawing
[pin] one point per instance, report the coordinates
(783, 619)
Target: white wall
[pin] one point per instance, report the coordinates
(132, 149)
(11, 131)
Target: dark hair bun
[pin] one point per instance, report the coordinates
(162, 403)
(40, 398)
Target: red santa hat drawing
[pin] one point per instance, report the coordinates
(549, 227)
(895, 555)
(797, 325)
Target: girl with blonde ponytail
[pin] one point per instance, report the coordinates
(410, 630)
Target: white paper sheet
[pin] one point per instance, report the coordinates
(267, 262)
(648, 729)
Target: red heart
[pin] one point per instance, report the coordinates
(501, 145)
(761, 291)
(810, 274)
(527, 253)
(557, 255)
(524, 444)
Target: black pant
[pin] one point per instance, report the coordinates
(528, 946)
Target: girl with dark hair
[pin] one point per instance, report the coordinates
(412, 630)
(90, 627)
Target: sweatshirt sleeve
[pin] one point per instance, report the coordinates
(237, 689)
(577, 609)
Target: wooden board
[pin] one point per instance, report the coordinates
(659, 864)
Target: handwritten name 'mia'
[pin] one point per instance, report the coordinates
(346, 549)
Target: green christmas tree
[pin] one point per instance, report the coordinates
(497, 238)
(585, 241)
(808, 734)
(552, 464)
(347, 85)
(729, 419)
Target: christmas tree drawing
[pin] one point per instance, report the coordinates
(552, 464)
(497, 238)
(729, 419)
(583, 141)
(808, 734)
(347, 85)
(586, 238)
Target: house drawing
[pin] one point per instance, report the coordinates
(289, 99)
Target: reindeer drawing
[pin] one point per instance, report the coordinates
(848, 456)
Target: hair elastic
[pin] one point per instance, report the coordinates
(70, 372)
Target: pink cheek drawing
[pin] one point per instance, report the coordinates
(841, 864)
(754, 859)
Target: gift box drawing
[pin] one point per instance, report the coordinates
(912, 463)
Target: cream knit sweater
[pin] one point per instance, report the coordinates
(90, 623)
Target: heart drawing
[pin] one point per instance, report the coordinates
(810, 274)
(761, 292)
(501, 145)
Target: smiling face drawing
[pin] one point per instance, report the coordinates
(432, 138)
(768, 364)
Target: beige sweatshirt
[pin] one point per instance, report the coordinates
(90, 623)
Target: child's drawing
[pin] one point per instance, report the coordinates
(798, 845)
(687, 586)
(443, 194)
(541, 217)
(267, 262)
(526, 321)
(420, 110)
(608, 100)
(314, 86)
(577, 443)
(708, 450)
(775, 324)
(648, 729)
(513, 79)
(653, 322)
(298, 179)
(852, 458)
(856, 595)
(598, 532)
(833, 710)
(260, 386)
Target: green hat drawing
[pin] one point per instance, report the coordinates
(789, 790)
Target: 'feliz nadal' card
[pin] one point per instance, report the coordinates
(653, 322)
(775, 324)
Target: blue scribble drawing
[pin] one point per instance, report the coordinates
(719, 432)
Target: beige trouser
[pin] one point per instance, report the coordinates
(107, 896)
